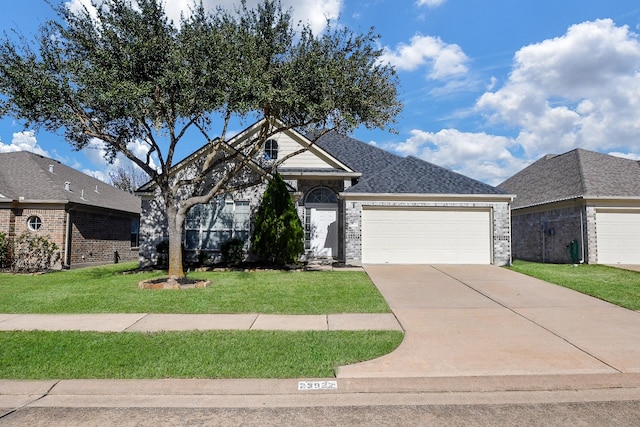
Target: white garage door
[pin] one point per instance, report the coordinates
(618, 237)
(426, 236)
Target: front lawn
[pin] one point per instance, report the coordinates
(617, 286)
(108, 290)
(192, 354)
(189, 354)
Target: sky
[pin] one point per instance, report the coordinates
(488, 86)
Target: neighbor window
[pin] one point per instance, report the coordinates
(34, 223)
(208, 226)
(271, 149)
(135, 233)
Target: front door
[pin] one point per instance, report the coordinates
(322, 230)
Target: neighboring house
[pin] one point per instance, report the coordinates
(358, 204)
(579, 206)
(87, 219)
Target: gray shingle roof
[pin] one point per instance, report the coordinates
(359, 156)
(384, 172)
(25, 174)
(577, 173)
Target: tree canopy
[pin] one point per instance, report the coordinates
(125, 73)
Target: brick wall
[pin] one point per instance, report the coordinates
(153, 222)
(96, 236)
(501, 225)
(544, 236)
(6, 221)
(53, 223)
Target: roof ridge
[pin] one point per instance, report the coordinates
(581, 170)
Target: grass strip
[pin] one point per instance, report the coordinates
(108, 290)
(615, 285)
(194, 354)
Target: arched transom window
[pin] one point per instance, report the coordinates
(321, 195)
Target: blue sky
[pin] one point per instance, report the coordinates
(488, 86)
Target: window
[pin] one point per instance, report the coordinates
(321, 195)
(34, 223)
(208, 226)
(271, 149)
(135, 233)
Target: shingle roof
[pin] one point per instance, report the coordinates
(384, 172)
(359, 156)
(25, 174)
(577, 173)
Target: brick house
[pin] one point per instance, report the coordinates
(580, 206)
(87, 219)
(357, 203)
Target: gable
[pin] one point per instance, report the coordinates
(314, 157)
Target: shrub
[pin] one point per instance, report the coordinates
(5, 250)
(233, 251)
(33, 253)
(278, 236)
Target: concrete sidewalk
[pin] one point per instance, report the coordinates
(145, 322)
(466, 321)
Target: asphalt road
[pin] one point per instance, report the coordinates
(616, 413)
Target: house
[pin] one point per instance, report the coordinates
(87, 219)
(358, 204)
(580, 206)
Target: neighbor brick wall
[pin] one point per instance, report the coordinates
(591, 239)
(6, 221)
(544, 236)
(96, 236)
(53, 227)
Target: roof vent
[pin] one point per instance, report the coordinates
(96, 190)
(50, 168)
(82, 194)
(67, 186)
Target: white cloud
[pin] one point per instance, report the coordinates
(430, 3)
(477, 155)
(578, 90)
(630, 156)
(95, 152)
(445, 60)
(23, 141)
(313, 12)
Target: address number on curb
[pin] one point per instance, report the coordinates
(317, 385)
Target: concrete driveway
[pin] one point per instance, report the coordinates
(462, 320)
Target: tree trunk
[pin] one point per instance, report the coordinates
(175, 223)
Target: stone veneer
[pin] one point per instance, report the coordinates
(500, 214)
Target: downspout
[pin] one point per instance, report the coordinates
(67, 242)
(582, 235)
(67, 239)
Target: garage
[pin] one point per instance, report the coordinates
(405, 235)
(618, 237)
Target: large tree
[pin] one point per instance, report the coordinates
(126, 73)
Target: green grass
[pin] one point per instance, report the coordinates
(617, 286)
(107, 290)
(195, 354)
